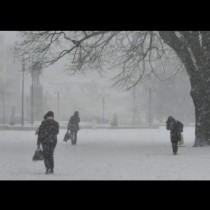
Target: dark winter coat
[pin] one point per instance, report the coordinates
(48, 132)
(74, 123)
(175, 127)
(38, 133)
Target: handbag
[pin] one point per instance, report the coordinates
(67, 136)
(38, 155)
(181, 142)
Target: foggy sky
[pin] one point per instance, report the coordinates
(55, 77)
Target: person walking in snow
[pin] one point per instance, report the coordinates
(37, 133)
(73, 126)
(175, 127)
(48, 132)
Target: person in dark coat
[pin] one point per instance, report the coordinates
(37, 132)
(73, 126)
(48, 132)
(175, 127)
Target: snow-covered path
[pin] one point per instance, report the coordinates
(106, 154)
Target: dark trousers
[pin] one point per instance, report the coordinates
(74, 137)
(48, 152)
(174, 146)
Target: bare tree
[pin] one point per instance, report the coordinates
(132, 54)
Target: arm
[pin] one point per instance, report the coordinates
(42, 132)
(38, 141)
(68, 127)
(70, 122)
(37, 133)
(57, 128)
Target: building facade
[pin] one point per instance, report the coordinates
(10, 74)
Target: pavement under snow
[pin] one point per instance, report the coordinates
(106, 154)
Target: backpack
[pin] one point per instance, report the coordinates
(180, 126)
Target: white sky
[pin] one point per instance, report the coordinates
(54, 76)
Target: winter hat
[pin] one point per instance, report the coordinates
(49, 114)
(76, 113)
(170, 118)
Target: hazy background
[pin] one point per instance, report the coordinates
(85, 93)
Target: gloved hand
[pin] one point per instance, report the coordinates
(37, 131)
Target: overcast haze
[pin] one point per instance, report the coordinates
(122, 132)
(56, 78)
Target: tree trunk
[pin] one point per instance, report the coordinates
(201, 98)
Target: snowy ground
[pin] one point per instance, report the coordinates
(121, 154)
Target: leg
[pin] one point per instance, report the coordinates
(72, 137)
(75, 137)
(175, 147)
(51, 157)
(46, 152)
(74, 141)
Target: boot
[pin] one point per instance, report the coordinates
(47, 171)
(51, 171)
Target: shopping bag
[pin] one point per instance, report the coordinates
(182, 140)
(38, 155)
(67, 136)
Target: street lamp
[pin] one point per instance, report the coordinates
(150, 107)
(134, 105)
(58, 92)
(45, 104)
(58, 95)
(3, 104)
(103, 106)
(148, 87)
(32, 98)
(27, 106)
(23, 70)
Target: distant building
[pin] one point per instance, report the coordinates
(36, 96)
(85, 94)
(9, 84)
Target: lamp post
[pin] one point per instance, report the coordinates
(149, 87)
(58, 96)
(32, 99)
(134, 105)
(45, 104)
(103, 102)
(27, 108)
(3, 106)
(150, 107)
(23, 70)
(103, 107)
(58, 93)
